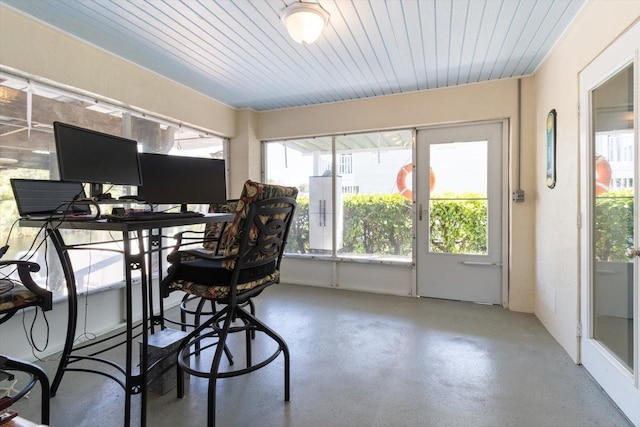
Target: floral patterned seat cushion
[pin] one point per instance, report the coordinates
(212, 232)
(14, 295)
(210, 278)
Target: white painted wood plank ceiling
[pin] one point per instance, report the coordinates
(238, 52)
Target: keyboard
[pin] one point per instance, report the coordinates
(149, 216)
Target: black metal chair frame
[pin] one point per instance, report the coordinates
(270, 243)
(198, 311)
(45, 301)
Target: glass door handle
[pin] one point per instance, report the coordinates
(631, 252)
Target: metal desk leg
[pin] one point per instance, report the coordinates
(155, 248)
(136, 384)
(72, 297)
(131, 263)
(144, 359)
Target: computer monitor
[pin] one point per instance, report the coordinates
(182, 180)
(88, 156)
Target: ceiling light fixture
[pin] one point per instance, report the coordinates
(304, 21)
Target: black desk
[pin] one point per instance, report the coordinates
(134, 383)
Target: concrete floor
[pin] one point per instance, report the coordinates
(361, 359)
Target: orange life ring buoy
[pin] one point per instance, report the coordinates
(603, 175)
(401, 180)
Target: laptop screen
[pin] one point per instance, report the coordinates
(37, 197)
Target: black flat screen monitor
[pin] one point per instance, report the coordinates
(97, 158)
(182, 180)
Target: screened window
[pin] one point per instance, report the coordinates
(358, 212)
(27, 113)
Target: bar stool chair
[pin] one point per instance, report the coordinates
(17, 295)
(213, 238)
(254, 246)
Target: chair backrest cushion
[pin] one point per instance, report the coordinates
(213, 231)
(251, 192)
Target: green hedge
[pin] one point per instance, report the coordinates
(298, 241)
(381, 224)
(614, 225)
(459, 224)
(377, 224)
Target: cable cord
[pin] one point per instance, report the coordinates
(86, 336)
(6, 243)
(29, 334)
(7, 276)
(5, 248)
(6, 283)
(30, 253)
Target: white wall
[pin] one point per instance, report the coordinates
(244, 152)
(378, 278)
(557, 282)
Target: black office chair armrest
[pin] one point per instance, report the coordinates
(189, 237)
(184, 239)
(31, 266)
(25, 268)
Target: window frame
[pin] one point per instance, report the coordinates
(339, 153)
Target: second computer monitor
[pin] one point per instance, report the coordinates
(182, 180)
(88, 156)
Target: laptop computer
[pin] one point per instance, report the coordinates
(45, 199)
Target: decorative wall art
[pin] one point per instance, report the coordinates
(551, 149)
